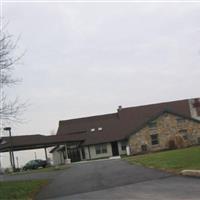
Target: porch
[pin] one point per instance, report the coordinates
(63, 154)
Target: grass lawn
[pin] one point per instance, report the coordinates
(172, 160)
(21, 190)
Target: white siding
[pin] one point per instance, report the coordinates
(94, 155)
(87, 156)
(90, 153)
(121, 152)
(57, 158)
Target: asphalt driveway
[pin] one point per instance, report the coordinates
(98, 175)
(171, 188)
(114, 179)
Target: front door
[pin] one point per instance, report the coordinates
(74, 154)
(115, 150)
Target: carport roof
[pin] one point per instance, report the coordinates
(25, 142)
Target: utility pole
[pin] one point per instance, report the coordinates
(12, 158)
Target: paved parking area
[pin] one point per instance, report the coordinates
(98, 175)
(171, 188)
(114, 179)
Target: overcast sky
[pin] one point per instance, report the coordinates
(87, 58)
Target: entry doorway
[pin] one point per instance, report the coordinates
(74, 154)
(115, 150)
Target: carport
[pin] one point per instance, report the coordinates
(29, 142)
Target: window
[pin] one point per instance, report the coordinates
(101, 148)
(100, 129)
(198, 140)
(92, 129)
(154, 139)
(123, 145)
(144, 147)
(98, 149)
(104, 148)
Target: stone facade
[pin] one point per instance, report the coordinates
(168, 131)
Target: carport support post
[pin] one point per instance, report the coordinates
(66, 152)
(89, 152)
(11, 159)
(45, 150)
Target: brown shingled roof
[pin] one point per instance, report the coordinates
(24, 142)
(117, 126)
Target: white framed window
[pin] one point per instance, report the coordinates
(154, 139)
(101, 148)
(123, 145)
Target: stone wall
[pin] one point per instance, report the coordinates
(172, 132)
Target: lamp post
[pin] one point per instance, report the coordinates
(12, 159)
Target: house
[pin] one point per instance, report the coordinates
(131, 130)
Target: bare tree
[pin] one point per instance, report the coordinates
(9, 109)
